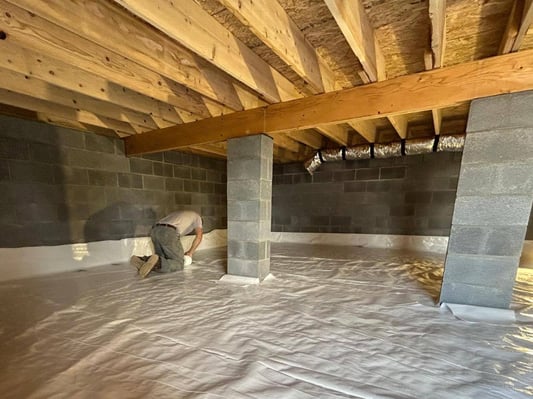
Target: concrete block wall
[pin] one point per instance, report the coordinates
(411, 195)
(249, 205)
(494, 200)
(61, 186)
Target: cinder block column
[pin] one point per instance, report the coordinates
(249, 205)
(493, 203)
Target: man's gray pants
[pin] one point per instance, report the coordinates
(168, 246)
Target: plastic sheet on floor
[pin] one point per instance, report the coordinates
(331, 322)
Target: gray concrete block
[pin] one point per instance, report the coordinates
(248, 231)
(64, 137)
(153, 182)
(198, 174)
(190, 186)
(501, 112)
(142, 166)
(11, 148)
(130, 180)
(69, 175)
(46, 153)
(248, 169)
(172, 184)
(98, 143)
(255, 146)
(402, 210)
(156, 156)
(344, 175)
(443, 197)
(356, 186)
(83, 159)
(378, 186)
(249, 210)
(4, 170)
(183, 172)
(418, 197)
(489, 113)
(249, 189)
(102, 178)
(249, 268)
(207, 187)
(482, 270)
(24, 171)
(487, 240)
(250, 250)
(183, 198)
(367, 174)
(499, 146)
(397, 172)
(505, 178)
(476, 295)
(323, 177)
(302, 178)
(282, 179)
(499, 210)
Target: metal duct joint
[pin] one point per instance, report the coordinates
(453, 143)
(331, 155)
(358, 152)
(419, 146)
(389, 150)
(313, 163)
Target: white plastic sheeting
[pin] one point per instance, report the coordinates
(36, 261)
(331, 322)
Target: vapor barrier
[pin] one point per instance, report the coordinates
(331, 322)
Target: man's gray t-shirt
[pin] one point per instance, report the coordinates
(184, 221)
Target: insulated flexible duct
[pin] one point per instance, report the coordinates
(450, 143)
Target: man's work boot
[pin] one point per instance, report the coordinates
(147, 267)
(137, 262)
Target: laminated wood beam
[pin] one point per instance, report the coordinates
(439, 88)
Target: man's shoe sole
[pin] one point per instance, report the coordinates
(145, 269)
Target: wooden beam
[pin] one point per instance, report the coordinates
(308, 137)
(334, 133)
(50, 50)
(399, 123)
(283, 141)
(354, 24)
(520, 20)
(109, 31)
(30, 86)
(365, 128)
(66, 113)
(436, 113)
(190, 25)
(423, 91)
(437, 16)
(270, 23)
(53, 120)
(356, 28)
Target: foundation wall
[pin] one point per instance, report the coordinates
(61, 186)
(409, 195)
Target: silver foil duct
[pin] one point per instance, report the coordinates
(387, 150)
(331, 155)
(419, 146)
(453, 143)
(358, 152)
(313, 163)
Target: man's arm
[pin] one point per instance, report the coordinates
(197, 240)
